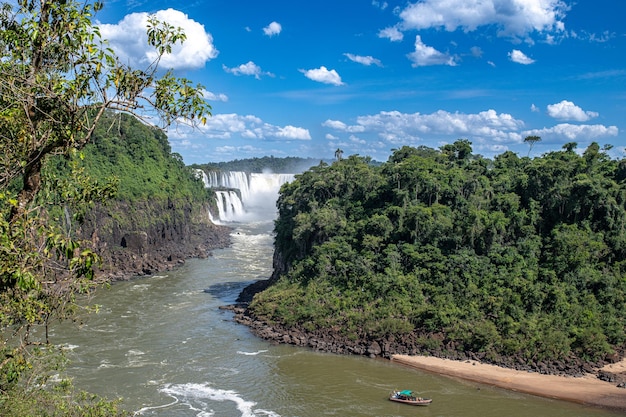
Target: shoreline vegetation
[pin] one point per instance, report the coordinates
(515, 262)
(587, 390)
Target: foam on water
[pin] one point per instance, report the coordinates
(140, 287)
(239, 352)
(136, 359)
(107, 365)
(243, 240)
(198, 397)
(157, 407)
(68, 346)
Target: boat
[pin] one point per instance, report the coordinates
(408, 397)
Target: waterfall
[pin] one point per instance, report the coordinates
(229, 205)
(245, 196)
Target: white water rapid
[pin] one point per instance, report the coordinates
(243, 196)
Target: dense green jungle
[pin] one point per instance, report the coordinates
(134, 158)
(514, 257)
(148, 185)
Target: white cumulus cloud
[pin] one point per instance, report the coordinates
(382, 5)
(513, 18)
(227, 126)
(365, 60)
(391, 33)
(249, 68)
(272, 29)
(404, 128)
(214, 97)
(566, 110)
(425, 55)
(292, 132)
(335, 124)
(129, 40)
(355, 140)
(323, 75)
(572, 132)
(519, 57)
(339, 125)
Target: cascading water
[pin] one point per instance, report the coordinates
(229, 205)
(243, 196)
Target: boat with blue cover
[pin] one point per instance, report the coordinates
(409, 397)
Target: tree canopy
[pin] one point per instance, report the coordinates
(511, 256)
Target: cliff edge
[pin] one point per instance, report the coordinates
(146, 237)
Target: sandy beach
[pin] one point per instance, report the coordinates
(587, 390)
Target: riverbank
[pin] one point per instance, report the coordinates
(598, 384)
(587, 390)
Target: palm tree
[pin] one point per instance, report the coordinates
(338, 154)
(532, 140)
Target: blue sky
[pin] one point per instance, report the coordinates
(296, 78)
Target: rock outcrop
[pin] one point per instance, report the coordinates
(148, 237)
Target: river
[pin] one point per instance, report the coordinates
(163, 345)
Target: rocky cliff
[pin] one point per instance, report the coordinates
(146, 237)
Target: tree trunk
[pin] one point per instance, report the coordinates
(32, 183)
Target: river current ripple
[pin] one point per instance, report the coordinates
(164, 346)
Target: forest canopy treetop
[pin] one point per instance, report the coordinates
(512, 257)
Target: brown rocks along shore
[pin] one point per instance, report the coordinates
(332, 341)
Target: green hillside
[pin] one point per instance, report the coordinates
(140, 159)
(508, 257)
(133, 163)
